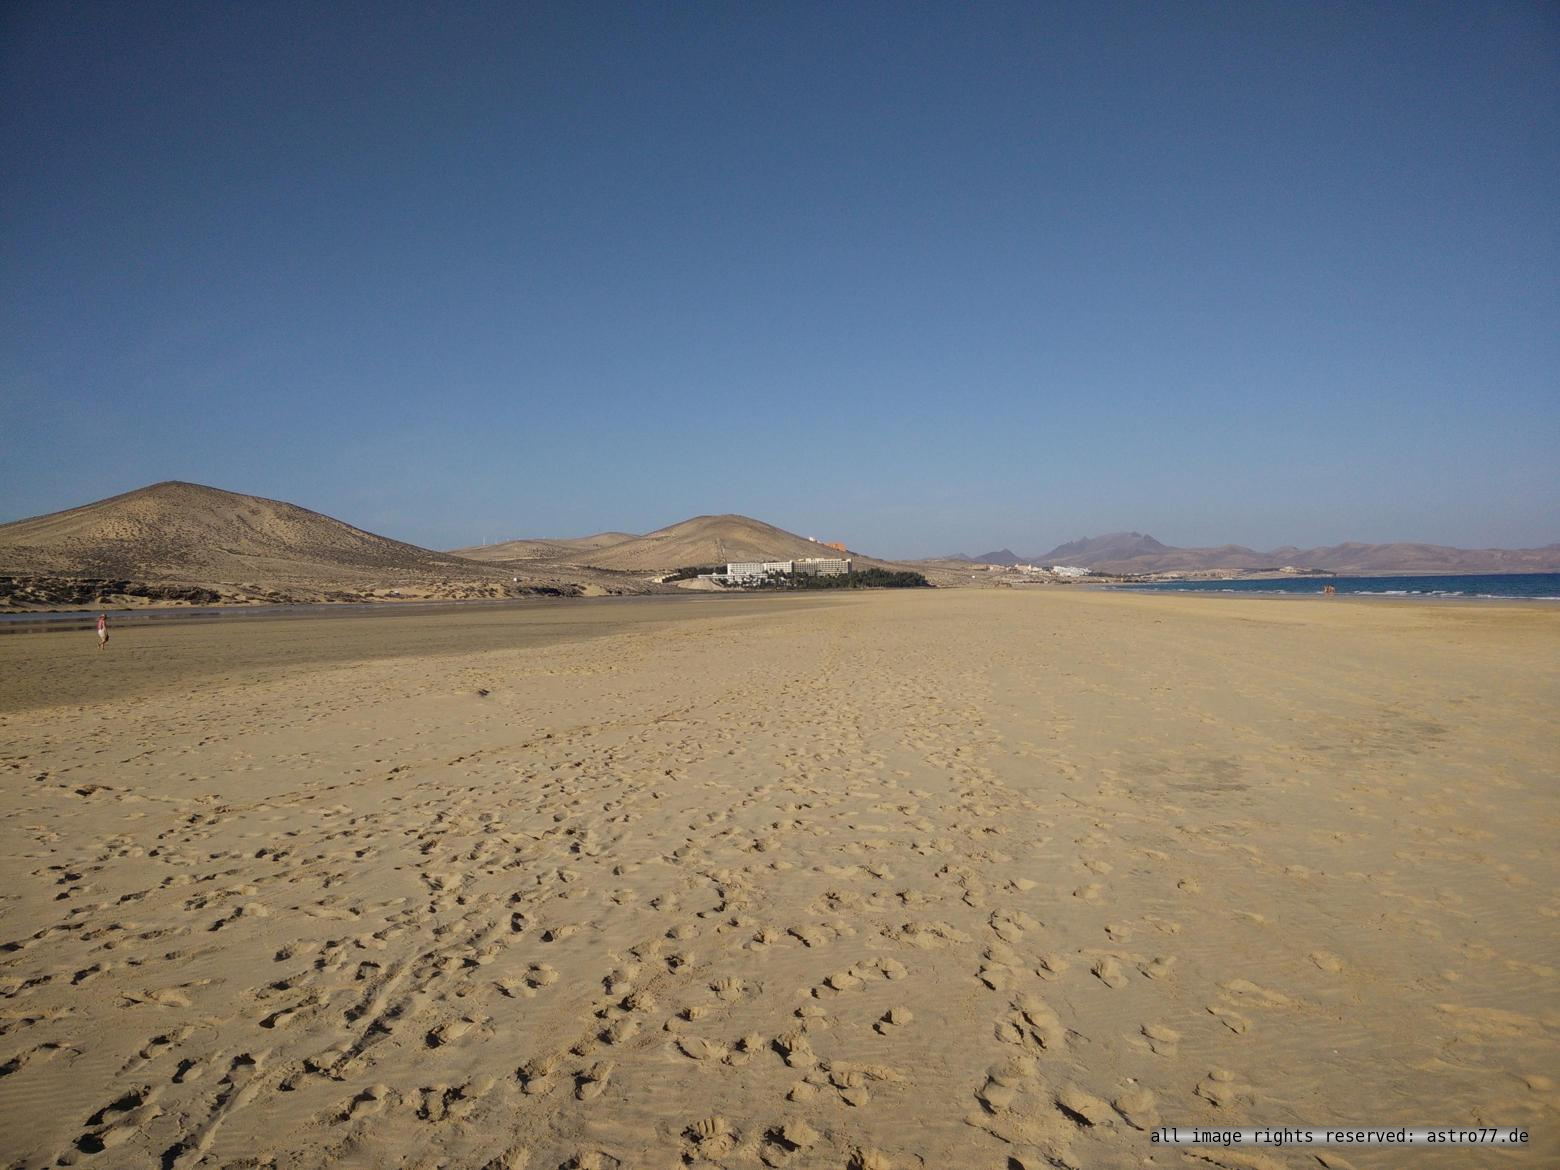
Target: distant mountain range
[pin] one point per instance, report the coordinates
(1136, 552)
(184, 542)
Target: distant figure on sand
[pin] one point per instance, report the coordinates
(1329, 590)
(102, 630)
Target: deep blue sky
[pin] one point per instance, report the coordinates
(922, 277)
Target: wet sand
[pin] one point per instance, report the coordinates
(956, 878)
(182, 653)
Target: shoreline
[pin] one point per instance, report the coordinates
(56, 620)
(1372, 598)
(155, 657)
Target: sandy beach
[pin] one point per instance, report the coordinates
(932, 879)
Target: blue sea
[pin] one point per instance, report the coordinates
(1527, 586)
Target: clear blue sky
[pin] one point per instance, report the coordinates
(921, 277)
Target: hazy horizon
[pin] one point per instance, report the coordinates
(974, 550)
(927, 281)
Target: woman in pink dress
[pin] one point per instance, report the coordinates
(102, 630)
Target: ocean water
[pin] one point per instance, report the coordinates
(1527, 586)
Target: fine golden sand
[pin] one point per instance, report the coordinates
(936, 879)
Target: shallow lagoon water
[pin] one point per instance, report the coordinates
(1490, 586)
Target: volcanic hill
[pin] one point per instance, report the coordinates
(179, 541)
(706, 540)
(574, 549)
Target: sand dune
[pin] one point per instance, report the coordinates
(936, 879)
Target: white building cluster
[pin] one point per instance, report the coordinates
(754, 572)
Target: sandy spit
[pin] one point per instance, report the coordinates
(953, 879)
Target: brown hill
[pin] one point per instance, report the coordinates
(601, 539)
(1094, 550)
(1003, 556)
(707, 540)
(563, 550)
(189, 533)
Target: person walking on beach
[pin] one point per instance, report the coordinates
(102, 630)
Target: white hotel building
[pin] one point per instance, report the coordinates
(748, 572)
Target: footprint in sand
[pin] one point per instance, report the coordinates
(842, 981)
(1011, 926)
(796, 1048)
(621, 981)
(621, 1031)
(809, 936)
(449, 1033)
(851, 1087)
(468, 1097)
(120, 1119)
(996, 976)
(536, 1075)
(863, 1158)
(892, 969)
(1327, 961)
(1484, 1023)
(803, 1091)
(729, 989)
(592, 1082)
(1038, 1020)
(712, 1138)
(1249, 992)
(700, 1049)
(744, 1050)
(541, 975)
(592, 1160)
(1138, 1107)
(1006, 1079)
(1222, 1088)
(1162, 1039)
(785, 1143)
(1084, 1108)
(369, 1102)
(1109, 972)
(1051, 966)
(1230, 1018)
